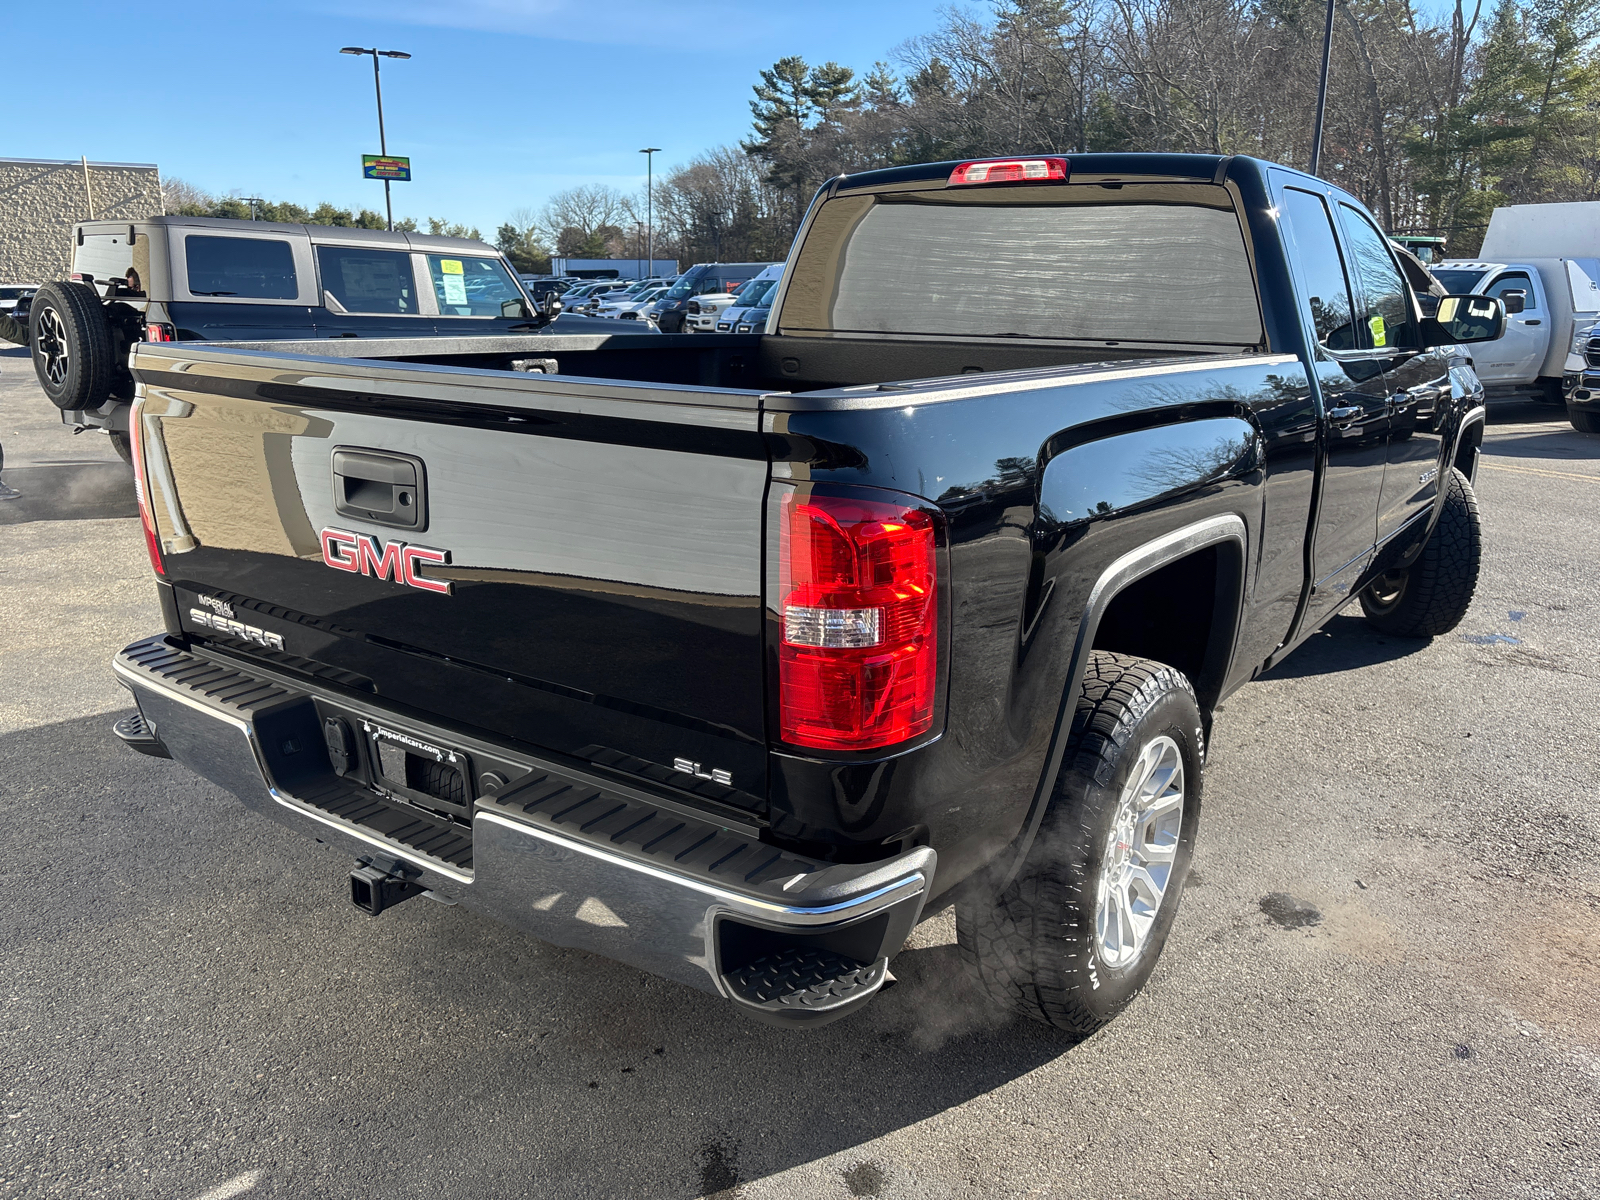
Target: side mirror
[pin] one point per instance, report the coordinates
(1465, 319)
(1515, 300)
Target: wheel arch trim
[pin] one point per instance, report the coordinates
(1129, 568)
(1474, 416)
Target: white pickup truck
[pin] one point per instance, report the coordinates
(1543, 261)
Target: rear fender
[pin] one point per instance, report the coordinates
(1224, 530)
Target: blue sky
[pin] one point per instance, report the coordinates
(503, 103)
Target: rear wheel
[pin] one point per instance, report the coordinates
(1431, 596)
(1584, 420)
(1072, 940)
(71, 343)
(122, 444)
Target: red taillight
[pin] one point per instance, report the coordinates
(158, 331)
(859, 613)
(152, 543)
(1009, 170)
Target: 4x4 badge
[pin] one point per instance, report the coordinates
(364, 554)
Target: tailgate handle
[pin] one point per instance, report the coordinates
(381, 487)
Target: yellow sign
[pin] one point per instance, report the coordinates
(452, 266)
(1380, 336)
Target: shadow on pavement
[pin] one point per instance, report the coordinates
(1519, 412)
(69, 492)
(210, 967)
(1564, 443)
(1343, 643)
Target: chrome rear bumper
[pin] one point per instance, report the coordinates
(569, 857)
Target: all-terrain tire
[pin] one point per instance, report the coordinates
(1036, 946)
(1431, 596)
(71, 343)
(1584, 420)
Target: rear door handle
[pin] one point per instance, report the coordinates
(1533, 322)
(1346, 414)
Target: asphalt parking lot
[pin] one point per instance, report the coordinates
(1385, 979)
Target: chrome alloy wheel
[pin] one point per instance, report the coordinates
(1136, 869)
(52, 346)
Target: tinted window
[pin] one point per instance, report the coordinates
(1387, 319)
(1308, 233)
(1459, 283)
(1513, 281)
(367, 281)
(471, 287)
(753, 292)
(254, 268)
(1024, 263)
(686, 284)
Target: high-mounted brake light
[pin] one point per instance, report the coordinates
(152, 542)
(858, 587)
(1009, 170)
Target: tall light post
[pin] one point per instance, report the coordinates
(252, 201)
(650, 153)
(383, 144)
(1322, 90)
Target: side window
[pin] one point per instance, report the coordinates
(471, 287)
(367, 281)
(247, 268)
(1308, 230)
(1386, 321)
(1513, 281)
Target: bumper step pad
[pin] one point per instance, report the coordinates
(805, 978)
(138, 734)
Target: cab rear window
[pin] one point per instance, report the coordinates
(1145, 263)
(249, 268)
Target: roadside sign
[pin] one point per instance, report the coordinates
(382, 166)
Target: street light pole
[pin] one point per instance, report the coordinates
(650, 153)
(1322, 90)
(383, 142)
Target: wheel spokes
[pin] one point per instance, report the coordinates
(1140, 853)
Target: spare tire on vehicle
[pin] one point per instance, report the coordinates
(72, 345)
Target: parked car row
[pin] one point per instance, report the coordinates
(707, 298)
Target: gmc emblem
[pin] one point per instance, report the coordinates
(364, 554)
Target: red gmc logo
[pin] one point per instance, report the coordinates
(364, 554)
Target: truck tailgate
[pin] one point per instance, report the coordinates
(574, 566)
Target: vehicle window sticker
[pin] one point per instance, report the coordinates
(1379, 336)
(455, 284)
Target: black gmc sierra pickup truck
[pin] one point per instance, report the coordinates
(732, 656)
